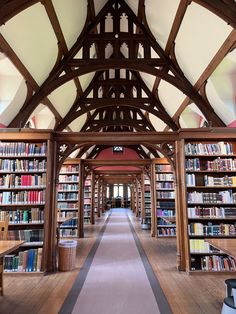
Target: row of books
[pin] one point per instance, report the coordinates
(20, 181)
(67, 196)
(68, 178)
(22, 149)
(218, 164)
(165, 204)
(70, 223)
(164, 176)
(201, 246)
(69, 168)
(213, 263)
(22, 165)
(197, 228)
(22, 197)
(27, 235)
(220, 148)
(68, 233)
(220, 181)
(164, 222)
(211, 212)
(65, 206)
(25, 261)
(163, 168)
(33, 215)
(165, 194)
(165, 213)
(67, 187)
(222, 197)
(166, 231)
(164, 185)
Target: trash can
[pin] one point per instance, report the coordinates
(67, 254)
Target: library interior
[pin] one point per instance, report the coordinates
(118, 156)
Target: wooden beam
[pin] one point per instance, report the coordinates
(112, 138)
(59, 34)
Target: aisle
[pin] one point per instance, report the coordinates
(115, 279)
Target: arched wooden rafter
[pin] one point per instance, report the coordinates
(149, 65)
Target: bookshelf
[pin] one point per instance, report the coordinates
(146, 220)
(210, 180)
(165, 198)
(67, 201)
(24, 179)
(88, 198)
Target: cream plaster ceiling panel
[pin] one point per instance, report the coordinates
(63, 97)
(200, 36)
(43, 118)
(160, 16)
(133, 5)
(226, 113)
(32, 38)
(148, 79)
(72, 16)
(98, 5)
(7, 68)
(85, 80)
(15, 103)
(158, 124)
(78, 123)
(170, 97)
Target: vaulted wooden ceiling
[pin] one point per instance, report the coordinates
(116, 65)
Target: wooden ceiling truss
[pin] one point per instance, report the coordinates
(111, 47)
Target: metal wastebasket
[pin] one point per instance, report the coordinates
(67, 254)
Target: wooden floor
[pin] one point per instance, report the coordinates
(186, 294)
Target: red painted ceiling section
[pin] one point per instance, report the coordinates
(128, 154)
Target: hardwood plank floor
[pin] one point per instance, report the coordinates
(186, 294)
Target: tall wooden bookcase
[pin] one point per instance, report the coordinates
(206, 167)
(164, 187)
(68, 190)
(27, 196)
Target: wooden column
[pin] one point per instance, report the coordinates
(92, 218)
(99, 197)
(103, 197)
(153, 201)
(181, 216)
(81, 201)
(142, 197)
(49, 264)
(137, 197)
(132, 197)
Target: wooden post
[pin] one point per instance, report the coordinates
(92, 218)
(181, 216)
(81, 200)
(50, 215)
(153, 201)
(99, 197)
(142, 198)
(137, 197)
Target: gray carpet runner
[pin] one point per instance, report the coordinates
(116, 277)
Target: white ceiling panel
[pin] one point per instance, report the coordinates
(32, 38)
(63, 97)
(170, 97)
(160, 15)
(78, 123)
(72, 16)
(197, 42)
